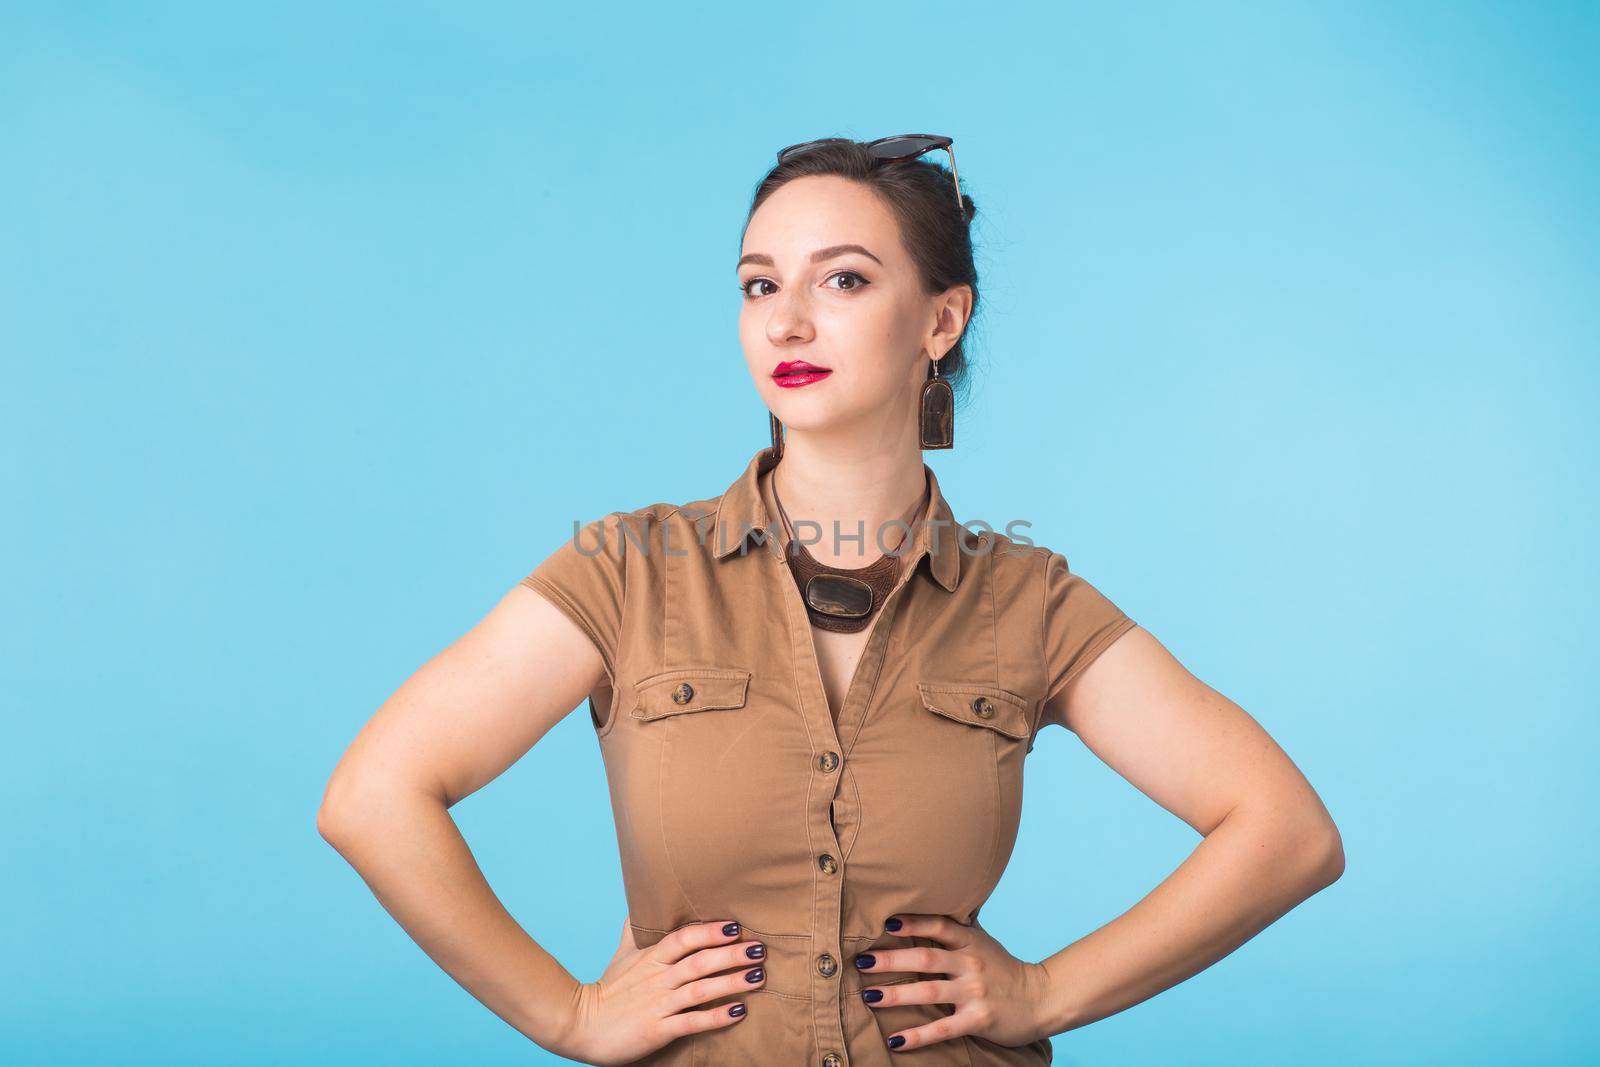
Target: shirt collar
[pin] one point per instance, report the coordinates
(741, 516)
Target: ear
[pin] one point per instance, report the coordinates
(952, 308)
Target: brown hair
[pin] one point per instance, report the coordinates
(919, 193)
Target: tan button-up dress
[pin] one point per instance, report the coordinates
(736, 793)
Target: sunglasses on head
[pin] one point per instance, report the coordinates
(894, 149)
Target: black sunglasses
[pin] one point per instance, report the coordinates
(894, 149)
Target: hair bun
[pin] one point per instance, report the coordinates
(968, 208)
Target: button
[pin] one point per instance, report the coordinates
(826, 862)
(832, 1059)
(826, 965)
(828, 760)
(984, 707)
(683, 694)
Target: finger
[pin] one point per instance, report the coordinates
(722, 985)
(940, 928)
(923, 959)
(932, 991)
(719, 958)
(696, 1022)
(693, 937)
(951, 1026)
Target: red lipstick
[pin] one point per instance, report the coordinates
(793, 373)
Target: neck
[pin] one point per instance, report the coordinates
(862, 489)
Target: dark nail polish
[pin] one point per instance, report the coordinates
(731, 930)
(756, 952)
(872, 996)
(736, 1010)
(754, 976)
(897, 1040)
(892, 925)
(865, 960)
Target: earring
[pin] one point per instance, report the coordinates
(938, 411)
(777, 436)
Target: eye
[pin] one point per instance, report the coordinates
(744, 287)
(857, 284)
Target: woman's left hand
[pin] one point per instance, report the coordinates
(996, 996)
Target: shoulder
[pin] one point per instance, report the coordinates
(643, 531)
(1017, 563)
(1033, 578)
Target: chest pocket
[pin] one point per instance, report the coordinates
(974, 741)
(978, 705)
(690, 689)
(689, 750)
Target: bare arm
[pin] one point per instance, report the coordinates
(1269, 842)
(453, 726)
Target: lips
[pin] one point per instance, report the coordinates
(796, 372)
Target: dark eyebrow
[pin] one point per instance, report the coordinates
(761, 259)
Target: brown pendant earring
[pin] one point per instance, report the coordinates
(777, 436)
(938, 411)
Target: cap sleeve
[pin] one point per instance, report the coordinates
(584, 579)
(1079, 624)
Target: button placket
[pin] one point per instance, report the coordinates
(828, 896)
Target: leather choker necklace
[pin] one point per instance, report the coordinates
(842, 599)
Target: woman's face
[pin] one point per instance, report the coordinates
(826, 281)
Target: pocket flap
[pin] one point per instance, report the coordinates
(978, 705)
(690, 689)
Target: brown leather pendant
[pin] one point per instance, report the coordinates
(839, 595)
(842, 603)
(842, 599)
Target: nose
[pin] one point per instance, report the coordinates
(789, 318)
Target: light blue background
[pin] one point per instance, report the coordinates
(321, 322)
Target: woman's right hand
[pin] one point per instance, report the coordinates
(637, 1005)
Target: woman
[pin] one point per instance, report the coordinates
(815, 743)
